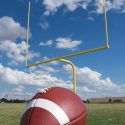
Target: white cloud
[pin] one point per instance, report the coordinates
(16, 51)
(10, 29)
(19, 89)
(67, 43)
(89, 82)
(91, 18)
(45, 68)
(52, 6)
(38, 78)
(85, 89)
(17, 93)
(86, 76)
(33, 54)
(48, 43)
(49, 69)
(63, 43)
(118, 5)
(52, 63)
(44, 25)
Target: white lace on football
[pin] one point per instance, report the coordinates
(47, 88)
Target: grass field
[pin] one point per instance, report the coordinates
(98, 114)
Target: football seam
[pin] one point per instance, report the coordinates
(29, 119)
(81, 115)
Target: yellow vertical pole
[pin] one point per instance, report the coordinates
(27, 33)
(74, 73)
(106, 24)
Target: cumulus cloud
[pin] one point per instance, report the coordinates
(52, 6)
(44, 25)
(90, 18)
(10, 29)
(46, 67)
(89, 82)
(48, 43)
(18, 92)
(86, 76)
(16, 51)
(115, 5)
(67, 43)
(63, 43)
(49, 69)
(85, 89)
(38, 78)
(19, 89)
(52, 63)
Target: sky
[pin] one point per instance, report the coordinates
(57, 28)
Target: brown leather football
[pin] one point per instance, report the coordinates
(55, 106)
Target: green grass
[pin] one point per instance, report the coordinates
(98, 114)
(10, 114)
(106, 114)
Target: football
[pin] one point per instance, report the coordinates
(55, 106)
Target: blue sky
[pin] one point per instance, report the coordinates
(60, 27)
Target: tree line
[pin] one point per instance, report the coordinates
(4, 100)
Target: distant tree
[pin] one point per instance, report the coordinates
(88, 101)
(12, 101)
(110, 100)
(3, 100)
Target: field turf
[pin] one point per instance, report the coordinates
(98, 114)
